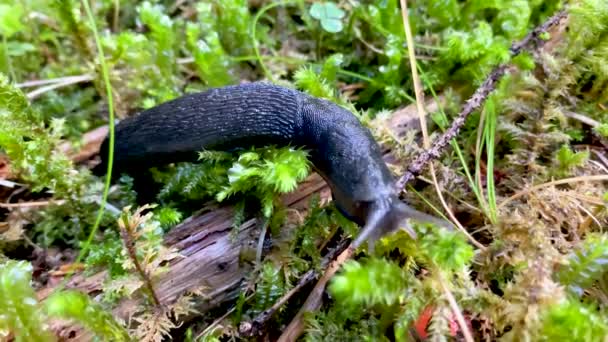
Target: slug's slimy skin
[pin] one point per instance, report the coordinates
(342, 151)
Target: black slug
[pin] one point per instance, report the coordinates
(342, 151)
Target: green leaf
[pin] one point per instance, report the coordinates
(586, 264)
(331, 66)
(269, 287)
(329, 14)
(602, 130)
(524, 61)
(19, 311)
(374, 281)
(81, 308)
(10, 19)
(448, 250)
(17, 49)
(568, 160)
(310, 81)
(573, 321)
(211, 60)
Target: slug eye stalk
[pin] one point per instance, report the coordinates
(389, 216)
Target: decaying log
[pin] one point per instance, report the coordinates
(211, 251)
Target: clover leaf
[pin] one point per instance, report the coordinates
(329, 15)
(10, 19)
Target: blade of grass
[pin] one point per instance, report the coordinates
(104, 198)
(427, 202)
(254, 25)
(422, 116)
(421, 113)
(106, 80)
(454, 143)
(479, 145)
(490, 135)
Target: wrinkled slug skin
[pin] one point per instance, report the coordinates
(259, 114)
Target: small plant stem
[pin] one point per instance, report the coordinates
(456, 310)
(422, 116)
(116, 17)
(315, 298)
(478, 148)
(106, 190)
(31, 204)
(254, 25)
(590, 214)
(318, 40)
(66, 82)
(582, 118)
(261, 239)
(524, 192)
(219, 319)
(415, 79)
(490, 136)
(8, 58)
(36, 83)
(126, 234)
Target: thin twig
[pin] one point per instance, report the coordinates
(480, 95)
(36, 83)
(30, 204)
(219, 319)
(253, 328)
(590, 214)
(68, 81)
(9, 184)
(314, 300)
(456, 310)
(582, 118)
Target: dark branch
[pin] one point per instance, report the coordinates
(253, 328)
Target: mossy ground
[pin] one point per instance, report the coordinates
(526, 177)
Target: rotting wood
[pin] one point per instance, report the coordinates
(211, 253)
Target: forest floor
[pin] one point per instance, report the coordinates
(496, 121)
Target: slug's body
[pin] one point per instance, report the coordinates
(342, 151)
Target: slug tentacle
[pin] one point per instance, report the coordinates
(389, 215)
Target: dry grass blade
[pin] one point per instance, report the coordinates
(30, 204)
(421, 114)
(64, 83)
(596, 178)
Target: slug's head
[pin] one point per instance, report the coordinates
(386, 216)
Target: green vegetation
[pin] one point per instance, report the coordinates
(526, 177)
(25, 317)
